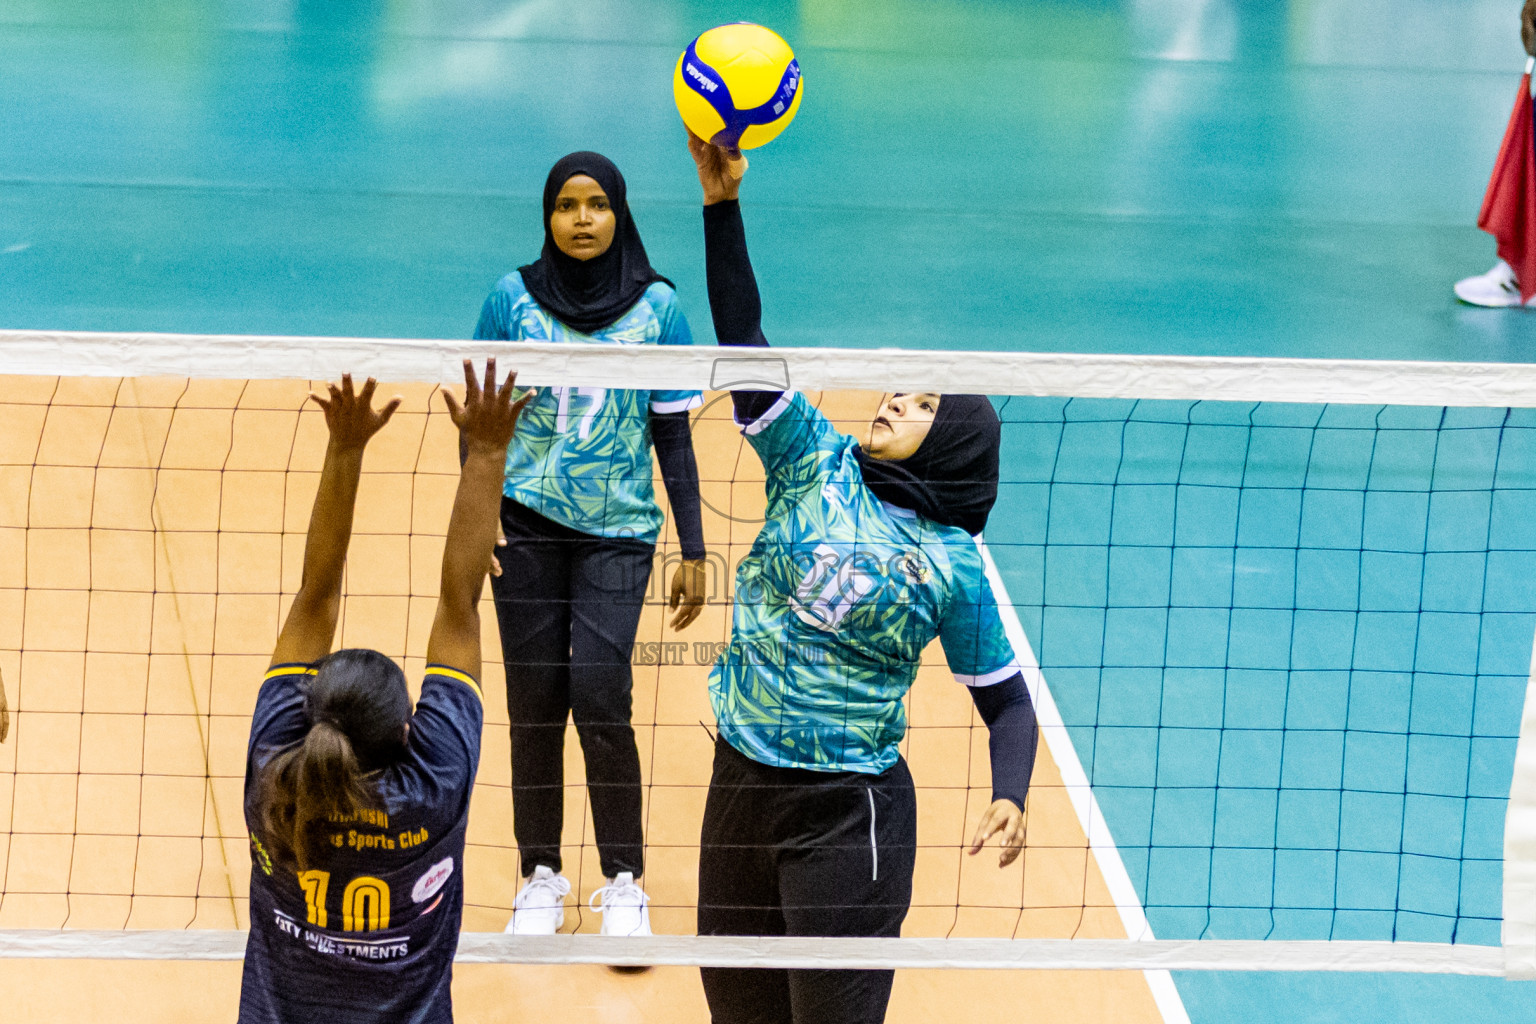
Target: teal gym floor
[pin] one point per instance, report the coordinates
(1164, 176)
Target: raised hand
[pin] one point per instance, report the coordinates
(486, 421)
(720, 170)
(1005, 818)
(350, 417)
(488, 416)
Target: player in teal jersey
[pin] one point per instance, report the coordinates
(581, 525)
(867, 554)
(356, 804)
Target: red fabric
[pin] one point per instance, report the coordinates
(1509, 206)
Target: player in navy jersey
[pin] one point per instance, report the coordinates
(867, 554)
(581, 524)
(356, 806)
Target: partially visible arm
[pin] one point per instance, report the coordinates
(486, 421)
(1012, 736)
(1012, 739)
(982, 657)
(495, 316)
(673, 438)
(311, 624)
(734, 301)
(5, 714)
(680, 471)
(672, 435)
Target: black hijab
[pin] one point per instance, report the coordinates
(952, 477)
(588, 295)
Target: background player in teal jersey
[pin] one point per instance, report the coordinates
(581, 524)
(357, 806)
(867, 554)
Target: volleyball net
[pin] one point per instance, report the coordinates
(1276, 616)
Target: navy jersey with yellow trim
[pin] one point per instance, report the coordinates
(368, 935)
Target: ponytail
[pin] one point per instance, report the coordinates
(316, 782)
(358, 708)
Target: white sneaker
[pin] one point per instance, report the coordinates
(540, 905)
(623, 907)
(1496, 288)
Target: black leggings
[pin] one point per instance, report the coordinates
(568, 604)
(786, 851)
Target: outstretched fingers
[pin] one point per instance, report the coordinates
(490, 375)
(349, 413)
(389, 409)
(459, 411)
(455, 410)
(487, 412)
(471, 385)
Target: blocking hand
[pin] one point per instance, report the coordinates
(488, 416)
(350, 417)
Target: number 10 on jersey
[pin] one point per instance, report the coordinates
(364, 904)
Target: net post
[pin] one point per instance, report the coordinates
(1519, 929)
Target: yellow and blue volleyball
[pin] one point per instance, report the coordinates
(737, 86)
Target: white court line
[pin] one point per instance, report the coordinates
(1519, 929)
(1084, 803)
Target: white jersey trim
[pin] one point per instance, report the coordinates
(678, 405)
(992, 678)
(760, 424)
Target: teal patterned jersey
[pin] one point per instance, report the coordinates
(582, 456)
(835, 603)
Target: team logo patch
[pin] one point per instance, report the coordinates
(436, 877)
(913, 568)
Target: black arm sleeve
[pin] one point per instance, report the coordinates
(734, 302)
(680, 472)
(1012, 735)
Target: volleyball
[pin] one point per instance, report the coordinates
(737, 86)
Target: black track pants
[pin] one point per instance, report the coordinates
(791, 852)
(568, 604)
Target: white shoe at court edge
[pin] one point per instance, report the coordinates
(1497, 288)
(624, 906)
(540, 905)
